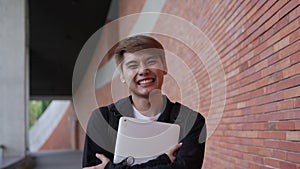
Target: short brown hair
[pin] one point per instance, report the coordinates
(137, 43)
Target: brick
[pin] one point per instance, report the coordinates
(295, 36)
(280, 24)
(293, 157)
(289, 165)
(293, 92)
(284, 84)
(255, 126)
(266, 167)
(279, 154)
(267, 35)
(294, 14)
(295, 58)
(264, 63)
(285, 104)
(271, 143)
(291, 146)
(287, 83)
(285, 125)
(293, 136)
(273, 59)
(297, 102)
(272, 135)
(253, 142)
(258, 159)
(291, 71)
(275, 77)
(272, 162)
(244, 66)
(281, 44)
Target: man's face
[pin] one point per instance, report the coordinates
(143, 72)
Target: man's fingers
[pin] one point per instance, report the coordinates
(179, 145)
(176, 147)
(172, 152)
(101, 157)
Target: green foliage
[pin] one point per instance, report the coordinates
(37, 108)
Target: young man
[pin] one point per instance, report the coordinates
(142, 64)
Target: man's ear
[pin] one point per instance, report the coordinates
(165, 68)
(122, 77)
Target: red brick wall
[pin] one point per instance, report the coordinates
(127, 7)
(258, 44)
(63, 135)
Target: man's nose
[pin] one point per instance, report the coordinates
(143, 69)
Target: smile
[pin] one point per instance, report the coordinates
(146, 81)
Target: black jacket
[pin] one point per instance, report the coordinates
(101, 138)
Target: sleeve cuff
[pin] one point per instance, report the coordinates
(109, 165)
(164, 157)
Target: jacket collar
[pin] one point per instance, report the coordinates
(124, 107)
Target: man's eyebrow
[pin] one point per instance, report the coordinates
(152, 57)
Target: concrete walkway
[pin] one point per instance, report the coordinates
(69, 159)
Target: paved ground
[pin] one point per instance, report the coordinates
(69, 159)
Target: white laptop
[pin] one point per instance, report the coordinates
(144, 140)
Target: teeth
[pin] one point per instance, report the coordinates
(145, 81)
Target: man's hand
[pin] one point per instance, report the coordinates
(172, 152)
(104, 160)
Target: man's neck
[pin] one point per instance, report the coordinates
(150, 106)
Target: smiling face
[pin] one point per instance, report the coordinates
(143, 72)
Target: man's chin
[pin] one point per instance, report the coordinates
(149, 93)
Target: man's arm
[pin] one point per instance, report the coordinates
(97, 139)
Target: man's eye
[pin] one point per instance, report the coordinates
(151, 62)
(133, 66)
